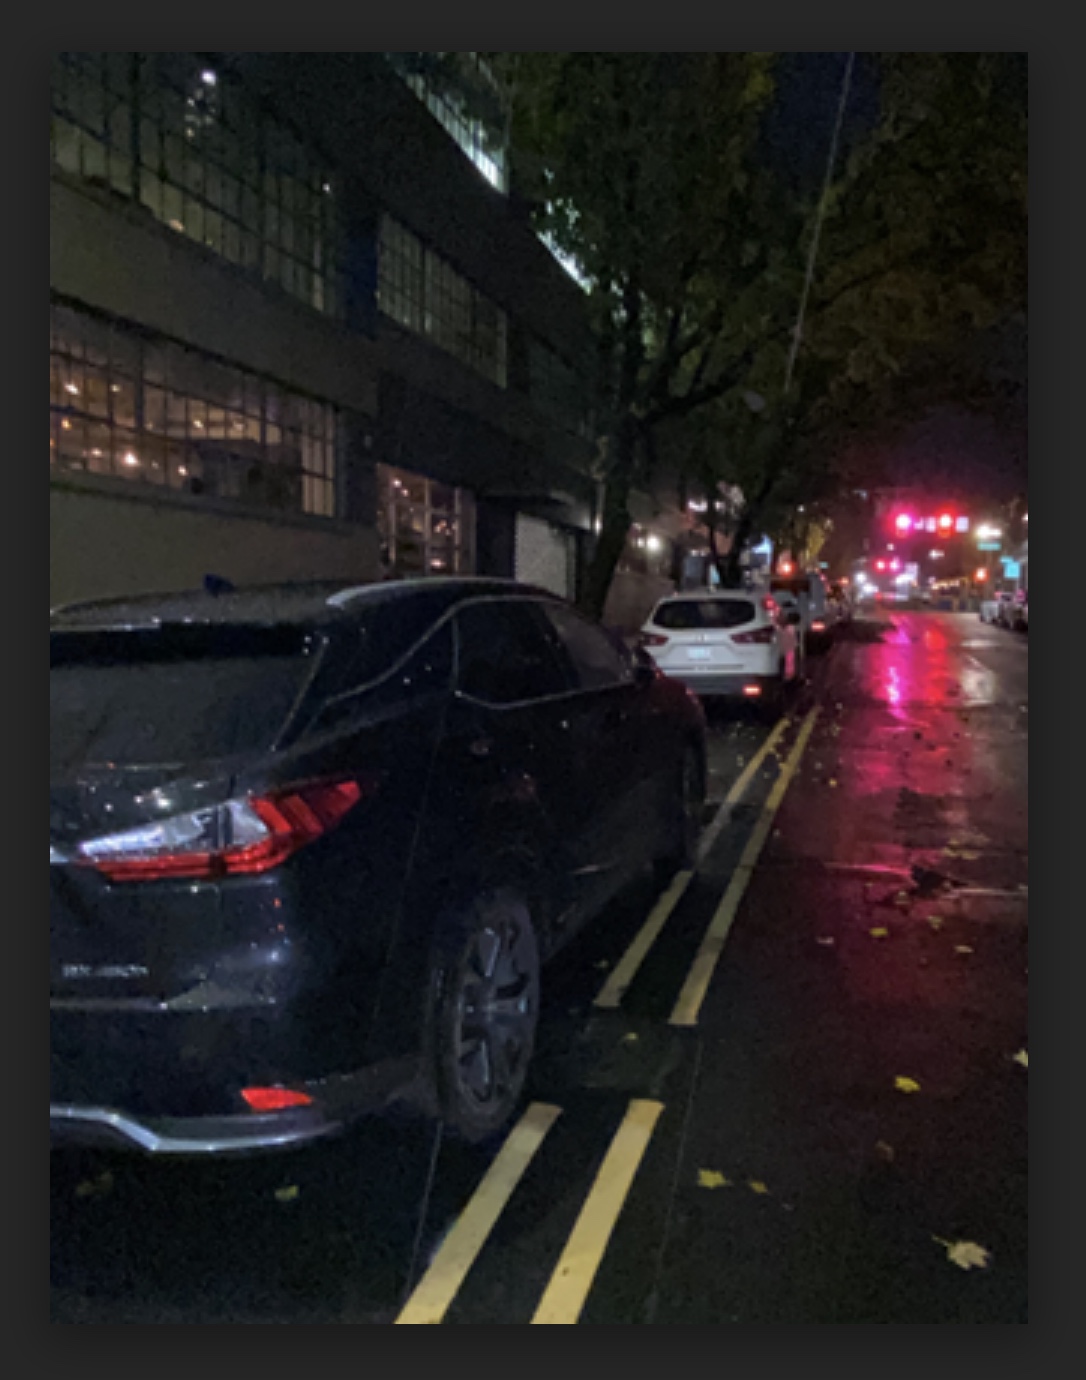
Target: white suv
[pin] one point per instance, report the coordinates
(726, 643)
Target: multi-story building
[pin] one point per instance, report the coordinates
(300, 328)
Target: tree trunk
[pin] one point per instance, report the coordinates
(614, 524)
(615, 519)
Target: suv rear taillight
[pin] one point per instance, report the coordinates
(653, 640)
(238, 838)
(760, 635)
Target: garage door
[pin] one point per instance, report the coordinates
(544, 555)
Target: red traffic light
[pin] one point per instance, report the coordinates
(903, 522)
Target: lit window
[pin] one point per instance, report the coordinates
(462, 94)
(426, 528)
(156, 413)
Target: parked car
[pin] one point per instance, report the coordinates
(1016, 612)
(311, 845)
(731, 643)
(993, 607)
(809, 592)
(840, 603)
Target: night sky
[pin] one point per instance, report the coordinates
(980, 459)
(800, 127)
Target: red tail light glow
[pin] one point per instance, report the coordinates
(752, 691)
(274, 1099)
(653, 640)
(759, 637)
(238, 838)
(818, 626)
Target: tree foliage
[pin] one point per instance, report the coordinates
(648, 170)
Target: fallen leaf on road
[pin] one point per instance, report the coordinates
(712, 1178)
(832, 781)
(631, 1039)
(884, 1152)
(965, 1254)
(603, 965)
(936, 922)
(966, 854)
(826, 940)
(962, 949)
(1022, 1058)
(902, 898)
(287, 1193)
(906, 1085)
(756, 1186)
(879, 932)
(97, 1187)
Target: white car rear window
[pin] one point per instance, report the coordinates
(688, 614)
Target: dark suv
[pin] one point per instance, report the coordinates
(310, 845)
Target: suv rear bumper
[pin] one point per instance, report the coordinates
(730, 684)
(104, 1128)
(337, 1102)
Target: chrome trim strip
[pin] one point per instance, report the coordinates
(127, 1128)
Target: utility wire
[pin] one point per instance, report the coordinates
(812, 255)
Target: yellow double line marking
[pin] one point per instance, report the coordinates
(441, 1283)
(567, 1292)
(688, 1007)
(576, 1271)
(618, 984)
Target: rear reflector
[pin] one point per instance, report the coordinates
(274, 1099)
(653, 640)
(238, 838)
(752, 691)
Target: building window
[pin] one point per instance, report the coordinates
(426, 528)
(463, 95)
(422, 291)
(182, 140)
(153, 412)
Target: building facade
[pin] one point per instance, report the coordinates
(300, 328)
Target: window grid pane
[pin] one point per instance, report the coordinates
(423, 292)
(182, 140)
(157, 413)
(425, 528)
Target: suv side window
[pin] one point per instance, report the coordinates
(426, 671)
(598, 661)
(504, 656)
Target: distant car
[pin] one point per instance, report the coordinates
(1016, 614)
(809, 592)
(993, 608)
(310, 845)
(729, 644)
(840, 601)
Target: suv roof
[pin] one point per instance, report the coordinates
(302, 602)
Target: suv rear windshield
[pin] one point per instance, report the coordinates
(683, 614)
(172, 695)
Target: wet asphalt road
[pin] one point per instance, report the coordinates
(821, 1117)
